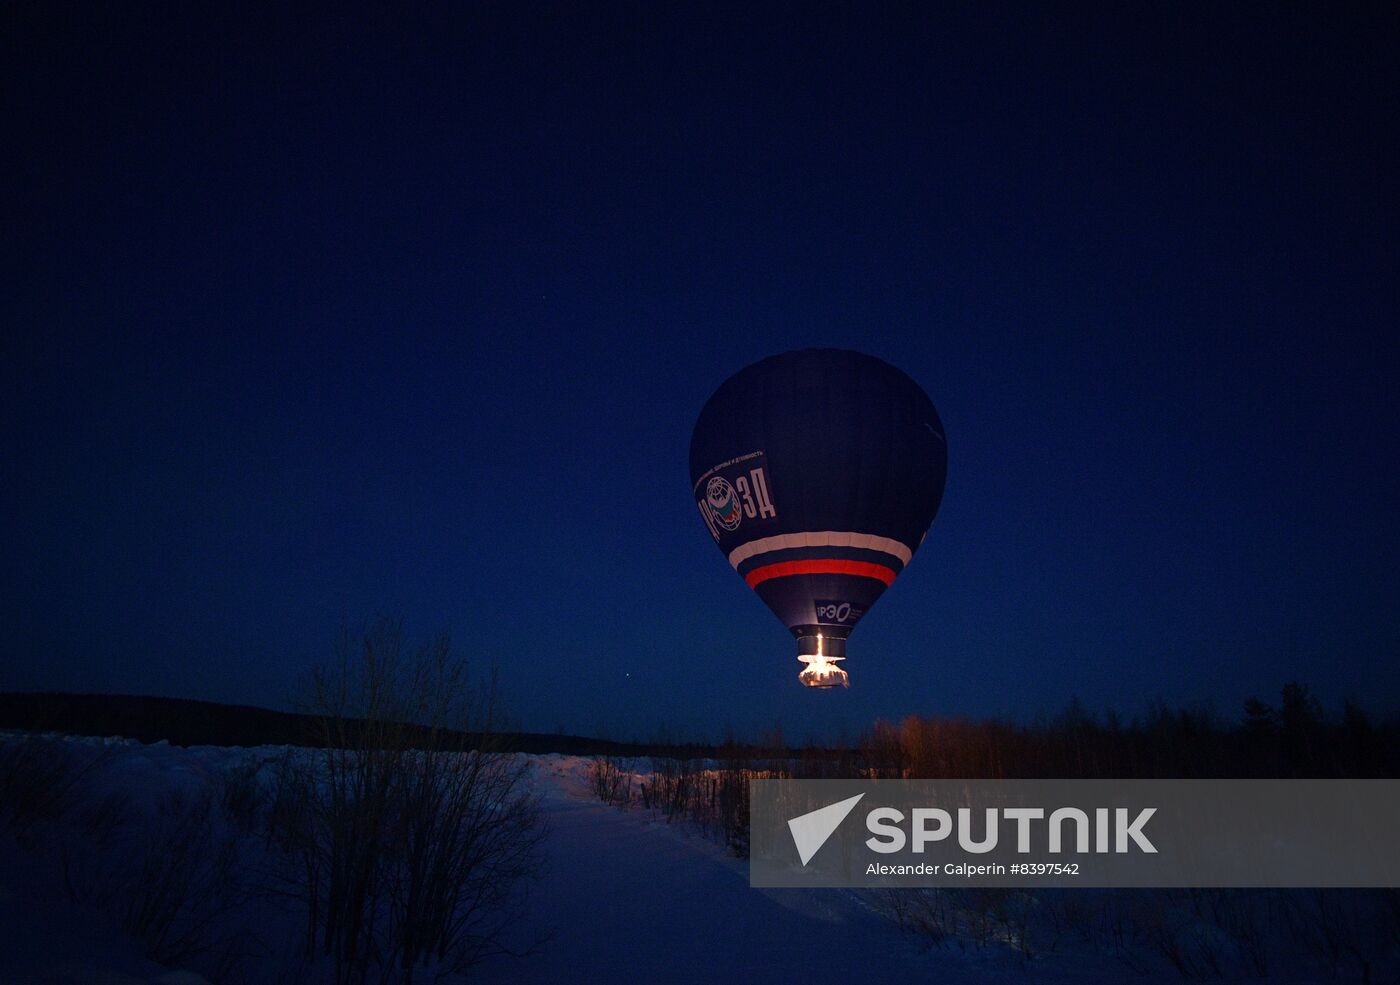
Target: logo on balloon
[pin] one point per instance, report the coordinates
(723, 503)
(833, 612)
(733, 491)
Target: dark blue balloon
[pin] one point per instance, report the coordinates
(818, 474)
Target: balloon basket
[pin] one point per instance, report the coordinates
(822, 672)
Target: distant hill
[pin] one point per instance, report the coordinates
(183, 722)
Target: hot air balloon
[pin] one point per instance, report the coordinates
(818, 474)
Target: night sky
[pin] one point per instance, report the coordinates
(312, 318)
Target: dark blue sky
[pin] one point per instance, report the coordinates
(311, 318)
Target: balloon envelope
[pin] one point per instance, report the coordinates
(818, 474)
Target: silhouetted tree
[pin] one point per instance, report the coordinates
(1300, 717)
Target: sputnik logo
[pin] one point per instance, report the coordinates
(810, 831)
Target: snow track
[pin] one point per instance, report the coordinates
(633, 899)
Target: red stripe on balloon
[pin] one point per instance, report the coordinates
(833, 566)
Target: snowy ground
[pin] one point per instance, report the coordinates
(45, 937)
(632, 898)
(622, 897)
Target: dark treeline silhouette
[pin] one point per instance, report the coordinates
(183, 722)
(1292, 738)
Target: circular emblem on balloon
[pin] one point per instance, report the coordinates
(724, 504)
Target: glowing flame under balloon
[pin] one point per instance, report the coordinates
(821, 671)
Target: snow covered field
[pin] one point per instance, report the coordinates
(631, 898)
(622, 896)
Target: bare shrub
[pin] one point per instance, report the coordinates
(468, 829)
(1389, 906)
(671, 787)
(184, 884)
(981, 917)
(37, 781)
(610, 782)
(1246, 917)
(98, 829)
(715, 799)
(242, 795)
(170, 878)
(926, 912)
(410, 830)
(1344, 929)
(1067, 915)
(731, 803)
(1178, 934)
(1123, 926)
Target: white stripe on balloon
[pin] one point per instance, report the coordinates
(819, 538)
